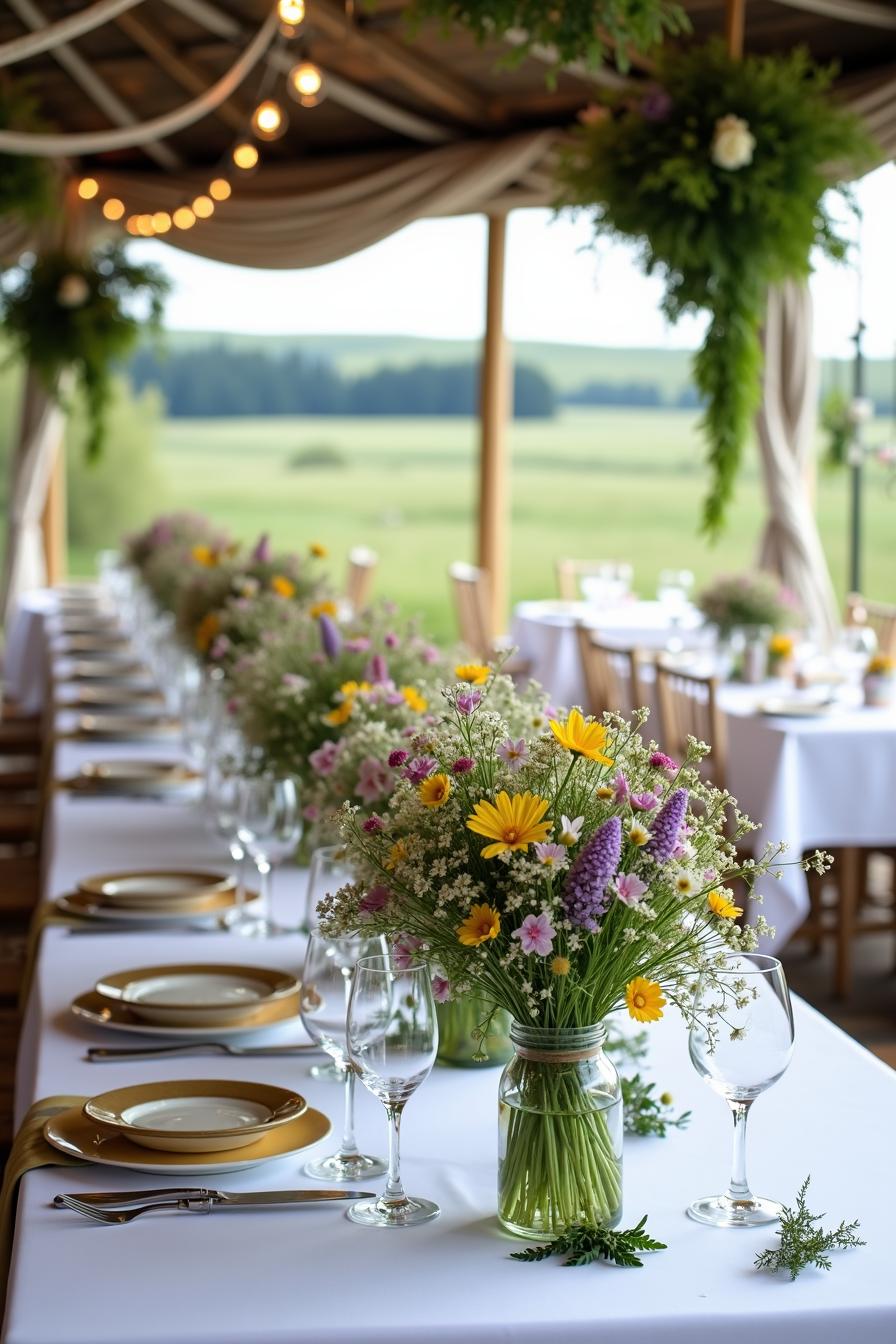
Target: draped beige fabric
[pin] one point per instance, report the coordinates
(309, 214)
(791, 544)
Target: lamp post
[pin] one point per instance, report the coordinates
(856, 459)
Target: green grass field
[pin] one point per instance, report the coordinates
(602, 484)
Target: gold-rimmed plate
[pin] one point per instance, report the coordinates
(215, 906)
(155, 886)
(786, 707)
(197, 994)
(133, 776)
(74, 1133)
(118, 697)
(123, 669)
(112, 1015)
(116, 727)
(196, 1115)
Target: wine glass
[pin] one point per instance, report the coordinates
(329, 871)
(221, 800)
(270, 827)
(392, 1040)
(747, 1005)
(326, 986)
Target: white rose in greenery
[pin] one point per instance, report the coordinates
(732, 143)
(73, 291)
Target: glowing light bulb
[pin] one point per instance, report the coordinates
(203, 207)
(183, 217)
(291, 12)
(245, 155)
(161, 221)
(133, 224)
(88, 188)
(144, 226)
(113, 208)
(269, 121)
(220, 188)
(305, 82)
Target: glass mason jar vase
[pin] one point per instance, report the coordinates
(459, 1045)
(560, 1132)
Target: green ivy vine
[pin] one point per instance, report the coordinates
(26, 183)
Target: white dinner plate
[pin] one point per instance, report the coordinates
(98, 1011)
(197, 994)
(83, 906)
(134, 776)
(107, 668)
(196, 1115)
(784, 707)
(125, 727)
(73, 1133)
(139, 888)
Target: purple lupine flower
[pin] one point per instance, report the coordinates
(585, 891)
(666, 826)
(330, 638)
(397, 758)
(462, 765)
(261, 552)
(377, 669)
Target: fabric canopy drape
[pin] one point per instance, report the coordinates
(311, 213)
(791, 544)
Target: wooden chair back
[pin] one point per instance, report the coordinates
(688, 707)
(878, 616)
(469, 586)
(362, 563)
(570, 574)
(611, 676)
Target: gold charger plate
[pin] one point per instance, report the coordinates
(106, 668)
(75, 1134)
(206, 1115)
(132, 776)
(118, 697)
(112, 1015)
(154, 886)
(785, 708)
(197, 994)
(124, 727)
(84, 906)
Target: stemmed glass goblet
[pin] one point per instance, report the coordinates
(270, 827)
(328, 872)
(326, 987)
(392, 1040)
(741, 1042)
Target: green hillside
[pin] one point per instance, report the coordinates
(567, 366)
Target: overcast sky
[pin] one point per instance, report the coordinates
(428, 280)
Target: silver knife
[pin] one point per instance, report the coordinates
(217, 1198)
(97, 1054)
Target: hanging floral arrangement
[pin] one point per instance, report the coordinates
(26, 183)
(719, 173)
(68, 312)
(585, 31)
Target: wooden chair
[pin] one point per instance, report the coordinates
(877, 616)
(571, 572)
(470, 587)
(688, 707)
(362, 563)
(611, 676)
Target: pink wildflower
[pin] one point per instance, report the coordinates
(373, 824)
(629, 888)
(551, 855)
(323, 761)
(310, 812)
(536, 934)
(462, 765)
(360, 644)
(621, 788)
(468, 701)
(514, 754)
(391, 640)
(441, 989)
(644, 802)
(375, 900)
(419, 769)
(661, 761)
(374, 780)
(397, 758)
(404, 950)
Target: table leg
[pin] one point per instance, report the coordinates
(848, 903)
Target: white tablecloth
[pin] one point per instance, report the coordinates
(287, 1277)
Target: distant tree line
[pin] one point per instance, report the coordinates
(218, 380)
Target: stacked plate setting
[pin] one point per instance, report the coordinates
(154, 896)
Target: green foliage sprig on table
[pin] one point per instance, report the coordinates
(803, 1242)
(583, 1245)
(587, 31)
(719, 174)
(26, 182)
(69, 312)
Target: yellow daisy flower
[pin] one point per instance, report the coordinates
(644, 999)
(205, 555)
(638, 834)
(582, 736)
(780, 646)
(397, 854)
(435, 791)
(560, 966)
(342, 713)
(720, 904)
(283, 586)
(604, 791)
(318, 551)
(477, 674)
(481, 924)
(325, 608)
(353, 688)
(413, 699)
(206, 630)
(513, 823)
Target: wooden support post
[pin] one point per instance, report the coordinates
(734, 27)
(495, 396)
(53, 519)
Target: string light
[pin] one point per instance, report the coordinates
(305, 82)
(88, 188)
(220, 188)
(291, 12)
(144, 226)
(183, 217)
(245, 155)
(133, 224)
(203, 207)
(269, 121)
(113, 208)
(161, 221)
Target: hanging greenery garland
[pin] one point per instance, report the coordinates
(75, 313)
(719, 174)
(586, 31)
(26, 184)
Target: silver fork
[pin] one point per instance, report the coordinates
(99, 1054)
(197, 1204)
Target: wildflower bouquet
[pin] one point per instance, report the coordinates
(758, 599)
(560, 875)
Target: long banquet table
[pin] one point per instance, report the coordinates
(272, 1277)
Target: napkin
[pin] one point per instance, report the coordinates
(29, 1150)
(44, 914)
